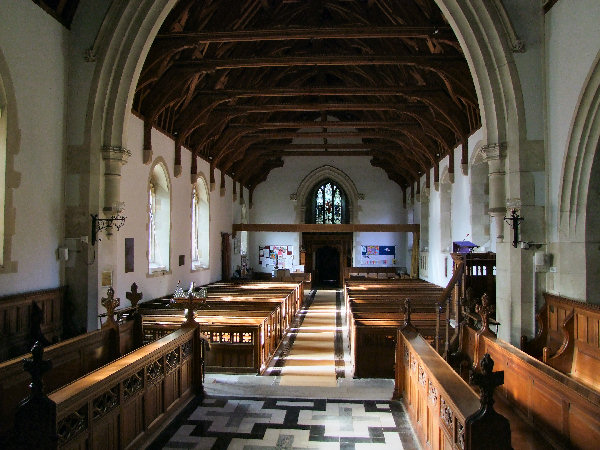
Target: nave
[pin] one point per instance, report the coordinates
(306, 399)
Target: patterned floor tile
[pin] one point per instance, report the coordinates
(282, 423)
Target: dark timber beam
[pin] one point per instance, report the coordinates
(311, 33)
(326, 228)
(282, 107)
(436, 62)
(328, 125)
(317, 91)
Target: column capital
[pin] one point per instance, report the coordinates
(493, 152)
(115, 152)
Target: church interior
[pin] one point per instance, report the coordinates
(300, 224)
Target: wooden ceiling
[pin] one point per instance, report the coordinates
(61, 10)
(245, 83)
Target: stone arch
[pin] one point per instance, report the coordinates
(577, 167)
(9, 179)
(321, 174)
(579, 221)
(482, 28)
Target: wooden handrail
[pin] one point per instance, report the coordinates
(457, 416)
(137, 390)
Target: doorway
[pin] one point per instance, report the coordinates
(327, 254)
(327, 267)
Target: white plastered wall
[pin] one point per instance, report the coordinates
(133, 192)
(34, 173)
(382, 205)
(572, 44)
(439, 260)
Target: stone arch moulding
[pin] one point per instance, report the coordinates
(12, 178)
(320, 174)
(584, 139)
(130, 27)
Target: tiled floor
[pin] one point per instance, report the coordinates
(260, 412)
(288, 423)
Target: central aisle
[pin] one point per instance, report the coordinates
(311, 360)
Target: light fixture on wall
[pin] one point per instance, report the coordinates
(513, 222)
(115, 221)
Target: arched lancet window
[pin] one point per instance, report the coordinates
(159, 220)
(200, 225)
(244, 234)
(328, 204)
(3, 131)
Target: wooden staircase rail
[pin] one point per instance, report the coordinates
(444, 296)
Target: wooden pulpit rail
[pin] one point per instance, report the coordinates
(115, 405)
(438, 400)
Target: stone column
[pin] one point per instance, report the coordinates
(495, 155)
(114, 158)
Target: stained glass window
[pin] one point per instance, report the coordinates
(329, 204)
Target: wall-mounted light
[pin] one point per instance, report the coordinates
(513, 221)
(113, 222)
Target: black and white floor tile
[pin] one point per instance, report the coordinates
(279, 423)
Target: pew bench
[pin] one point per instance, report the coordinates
(71, 359)
(568, 339)
(19, 314)
(564, 408)
(440, 405)
(242, 341)
(120, 404)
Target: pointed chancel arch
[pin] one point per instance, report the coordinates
(9, 147)
(3, 139)
(486, 38)
(579, 219)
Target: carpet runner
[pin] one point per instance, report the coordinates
(311, 361)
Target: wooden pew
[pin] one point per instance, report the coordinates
(375, 309)
(563, 407)
(120, 404)
(239, 340)
(363, 273)
(244, 321)
(16, 320)
(443, 409)
(568, 339)
(71, 359)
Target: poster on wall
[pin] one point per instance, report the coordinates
(378, 255)
(281, 256)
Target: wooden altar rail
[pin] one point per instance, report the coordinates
(71, 359)
(437, 400)
(120, 404)
(566, 410)
(16, 319)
